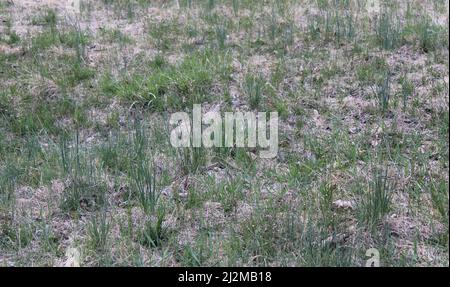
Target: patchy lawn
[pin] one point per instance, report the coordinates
(88, 176)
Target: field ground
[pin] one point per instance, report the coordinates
(88, 177)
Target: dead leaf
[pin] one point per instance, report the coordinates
(344, 204)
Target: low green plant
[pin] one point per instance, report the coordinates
(376, 202)
(389, 31)
(407, 90)
(191, 159)
(98, 231)
(85, 191)
(153, 233)
(383, 93)
(254, 89)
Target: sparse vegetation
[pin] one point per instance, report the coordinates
(86, 165)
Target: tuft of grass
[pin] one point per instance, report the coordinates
(164, 33)
(407, 90)
(439, 199)
(389, 31)
(383, 93)
(16, 236)
(377, 201)
(372, 70)
(115, 36)
(143, 177)
(85, 191)
(169, 87)
(8, 178)
(254, 89)
(325, 203)
(221, 34)
(335, 25)
(98, 232)
(47, 18)
(428, 36)
(196, 254)
(10, 37)
(191, 159)
(153, 233)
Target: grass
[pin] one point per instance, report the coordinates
(98, 232)
(85, 151)
(254, 88)
(84, 191)
(389, 31)
(383, 93)
(153, 233)
(377, 201)
(174, 87)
